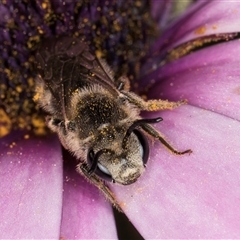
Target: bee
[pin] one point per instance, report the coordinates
(95, 116)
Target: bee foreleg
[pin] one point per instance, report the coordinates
(152, 105)
(123, 83)
(154, 133)
(83, 169)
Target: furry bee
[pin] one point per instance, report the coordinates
(95, 116)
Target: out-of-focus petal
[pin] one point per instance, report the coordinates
(208, 79)
(165, 11)
(194, 196)
(160, 11)
(31, 187)
(202, 19)
(86, 214)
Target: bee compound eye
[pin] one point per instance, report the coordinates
(144, 144)
(99, 169)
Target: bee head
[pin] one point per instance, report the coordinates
(122, 163)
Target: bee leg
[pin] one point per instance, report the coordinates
(123, 83)
(52, 123)
(83, 169)
(152, 105)
(154, 133)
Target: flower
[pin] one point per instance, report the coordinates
(190, 196)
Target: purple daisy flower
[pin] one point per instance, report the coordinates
(196, 196)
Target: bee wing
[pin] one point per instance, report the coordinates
(66, 64)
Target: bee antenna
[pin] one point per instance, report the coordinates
(138, 123)
(95, 159)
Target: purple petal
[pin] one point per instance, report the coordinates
(86, 214)
(31, 187)
(164, 8)
(194, 196)
(208, 79)
(165, 11)
(202, 19)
